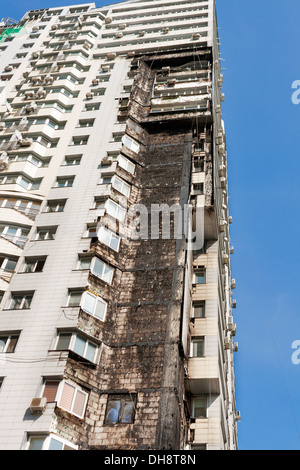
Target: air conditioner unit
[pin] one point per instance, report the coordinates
(230, 220)
(222, 225)
(41, 93)
(223, 182)
(4, 161)
(238, 416)
(222, 170)
(220, 81)
(223, 97)
(108, 20)
(142, 33)
(196, 36)
(54, 27)
(227, 344)
(122, 26)
(232, 250)
(233, 284)
(130, 54)
(49, 79)
(89, 96)
(26, 142)
(236, 347)
(95, 81)
(165, 30)
(25, 74)
(166, 69)
(218, 109)
(105, 68)
(171, 82)
(38, 405)
(118, 34)
(225, 258)
(111, 55)
(234, 304)
(29, 94)
(8, 68)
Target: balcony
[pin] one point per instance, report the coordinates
(203, 375)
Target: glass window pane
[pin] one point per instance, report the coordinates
(128, 410)
(88, 304)
(55, 445)
(100, 310)
(74, 298)
(107, 274)
(36, 443)
(79, 346)
(63, 341)
(3, 341)
(113, 410)
(90, 352)
(98, 267)
(12, 344)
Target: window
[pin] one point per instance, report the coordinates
(126, 164)
(8, 342)
(197, 347)
(198, 447)
(7, 264)
(48, 442)
(64, 182)
(84, 262)
(120, 409)
(109, 238)
(34, 265)
(80, 140)
(86, 122)
(198, 189)
(78, 344)
(121, 186)
(102, 270)
(115, 210)
(94, 305)
(74, 298)
(106, 179)
(199, 309)
(72, 160)
(131, 144)
(45, 233)
(199, 275)
(199, 407)
(50, 388)
(99, 202)
(55, 205)
(15, 234)
(19, 300)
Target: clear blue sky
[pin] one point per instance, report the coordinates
(260, 42)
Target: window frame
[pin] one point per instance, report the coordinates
(105, 265)
(77, 390)
(73, 336)
(197, 340)
(123, 398)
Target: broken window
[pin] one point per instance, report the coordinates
(120, 409)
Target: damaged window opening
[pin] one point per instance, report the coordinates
(120, 409)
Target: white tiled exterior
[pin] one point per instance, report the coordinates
(23, 370)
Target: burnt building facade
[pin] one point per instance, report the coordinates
(116, 329)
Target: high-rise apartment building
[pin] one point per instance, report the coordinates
(116, 328)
